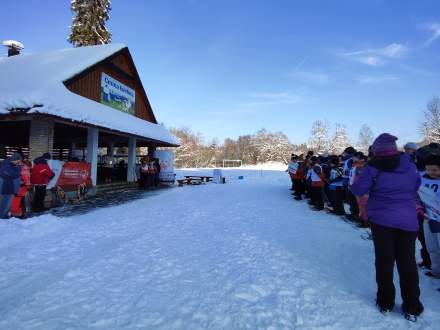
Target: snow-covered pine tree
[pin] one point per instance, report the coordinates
(340, 140)
(319, 140)
(88, 24)
(365, 138)
(430, 127)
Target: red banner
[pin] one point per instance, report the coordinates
(74, 174)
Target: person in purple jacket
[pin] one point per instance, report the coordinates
(390, 180)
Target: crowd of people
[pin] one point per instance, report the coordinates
(395, 194)
(17, 179)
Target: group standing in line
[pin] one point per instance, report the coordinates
(17, 179)
(382, 192)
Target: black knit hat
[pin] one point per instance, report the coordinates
(47, 156)
(349, 150)
(433, 160)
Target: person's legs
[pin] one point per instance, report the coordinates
(405, 247)
(426, 260)
(293, 182)
(312, 195)
(384, 249)
(17, 206)
(354, 208)
(40, 194)
(5, 205)
(299, 188)
(433, 247)
(337, 202)
(319, 202)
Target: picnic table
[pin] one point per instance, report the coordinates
(193, 181)
(203, 178)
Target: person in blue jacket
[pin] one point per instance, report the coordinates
(9, 183)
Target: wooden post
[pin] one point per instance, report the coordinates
(131, 166)
(92, 151)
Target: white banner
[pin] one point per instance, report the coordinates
(166, 161)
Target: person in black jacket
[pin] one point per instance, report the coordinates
(9, 183)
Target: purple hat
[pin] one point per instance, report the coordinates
(385, 145)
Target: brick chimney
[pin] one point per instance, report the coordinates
(14, 47)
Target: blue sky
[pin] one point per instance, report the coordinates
(227, 68)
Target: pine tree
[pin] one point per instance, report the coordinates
(88, 25)
(365, 138)
(340, 140)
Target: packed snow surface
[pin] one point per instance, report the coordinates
(242, 255)
(35, 81)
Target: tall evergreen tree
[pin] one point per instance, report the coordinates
(88, 24)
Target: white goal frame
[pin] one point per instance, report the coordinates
(236, 161)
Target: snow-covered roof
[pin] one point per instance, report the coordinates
(35, 81)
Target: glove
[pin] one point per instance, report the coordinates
(362, 202)
(420, 214)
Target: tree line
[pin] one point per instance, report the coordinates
(262, 146)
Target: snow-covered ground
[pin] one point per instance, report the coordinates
(242, 255)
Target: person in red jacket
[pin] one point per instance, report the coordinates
(40, 176)
(19, 202)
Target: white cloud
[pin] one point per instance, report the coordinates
(393, 50)
(434, 28)
(371, 60)
(378, 56)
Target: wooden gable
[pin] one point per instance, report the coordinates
(119, 66)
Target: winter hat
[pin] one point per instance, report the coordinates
(433, 160)
(359, 155)
(15, 157)
(47, 156)
(410, 145)
(385, 145)
(426, 151)
(349, 150)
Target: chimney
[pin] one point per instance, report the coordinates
(14, 47)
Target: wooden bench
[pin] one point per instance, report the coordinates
(203, 178)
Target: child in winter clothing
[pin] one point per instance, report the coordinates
(355, 171)
(431, 224)
(19, 206)
(292, 168)
(10, 183)
(336, 186)
(348, 162)
(316, 177)
(41, 175)
(298, 180)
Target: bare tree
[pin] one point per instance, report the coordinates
(430, 127)
(319, 140)
(366, 138)
(340, 140)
